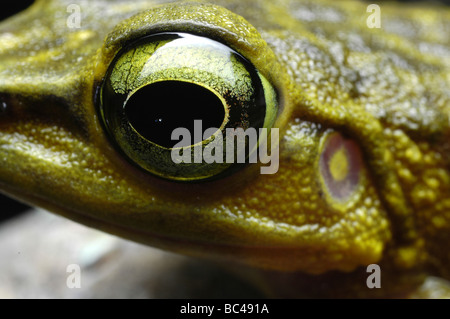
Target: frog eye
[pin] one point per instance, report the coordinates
(171, 85)
(340, 166)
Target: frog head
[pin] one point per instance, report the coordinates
(83, 131)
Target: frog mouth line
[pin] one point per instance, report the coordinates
(278, 258)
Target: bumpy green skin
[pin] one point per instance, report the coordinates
(386, 88)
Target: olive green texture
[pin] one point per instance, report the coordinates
(386, 89)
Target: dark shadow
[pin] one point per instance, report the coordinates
(14, 7)
(196, 279)
(10, 208)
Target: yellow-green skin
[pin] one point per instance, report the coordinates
(386, 88)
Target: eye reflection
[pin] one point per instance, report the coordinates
(169, 80)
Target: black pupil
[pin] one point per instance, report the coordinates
(157, 109)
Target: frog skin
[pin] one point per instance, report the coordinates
(384, 90)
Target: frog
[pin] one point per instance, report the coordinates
(359, 116)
